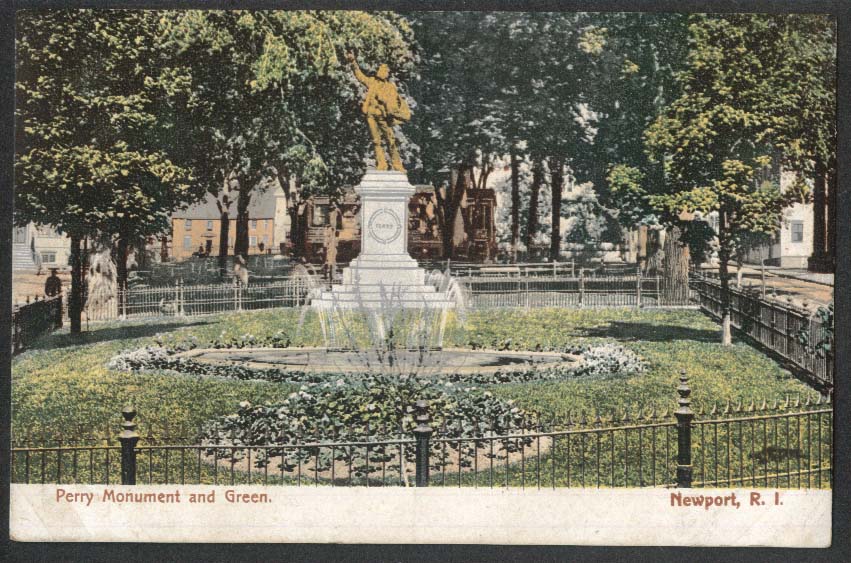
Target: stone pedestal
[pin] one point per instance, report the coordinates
(384, 274)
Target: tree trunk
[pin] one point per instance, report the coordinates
(675, 267)
(830, 250)
(224, 240)
(121, 252)
(724, 275)
(515, 205)
(241, 243)
(296, 228)
(75, 300)
(557, 186)
(532, 220)
(817, 260)
(451, 205)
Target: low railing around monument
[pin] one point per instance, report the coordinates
(582, 291)
(484, 291)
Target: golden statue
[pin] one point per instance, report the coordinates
(383, 107)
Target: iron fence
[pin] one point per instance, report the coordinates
(775, 326)
(582, 291)
(528, 291)
(787, 444)
(181, 299)
(35, 319)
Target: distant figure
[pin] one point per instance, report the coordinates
(330, 252)
(240, 272)
(53, 285)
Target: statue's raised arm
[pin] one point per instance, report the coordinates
(383, 107)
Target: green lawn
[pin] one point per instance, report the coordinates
(62, 385)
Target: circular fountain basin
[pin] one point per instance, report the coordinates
(432, 362)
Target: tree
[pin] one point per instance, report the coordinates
(274, 94)
(94, 147)
(455, 124)
(802, 108)
(713, 139)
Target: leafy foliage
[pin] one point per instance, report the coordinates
(95, 148)
(63, 385)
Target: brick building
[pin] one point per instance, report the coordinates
(197, 229)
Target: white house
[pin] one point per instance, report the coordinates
(33, 243)
(792, 243)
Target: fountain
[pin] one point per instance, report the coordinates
(384, 270)
(388, 315)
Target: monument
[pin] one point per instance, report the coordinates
(384, 274)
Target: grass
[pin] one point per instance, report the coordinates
(62, 385)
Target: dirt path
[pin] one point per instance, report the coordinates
(783, 286)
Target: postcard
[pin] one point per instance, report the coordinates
(424, 277)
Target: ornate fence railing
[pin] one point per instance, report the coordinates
(185, 299)
(582, 291)
(787, 444)
(485, 291)
(776, 326)
(34, 319)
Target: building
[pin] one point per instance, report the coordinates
(197, 229)
(475, 226)
(791, 246)
(32, 243)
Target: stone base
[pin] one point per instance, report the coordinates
(384, 275)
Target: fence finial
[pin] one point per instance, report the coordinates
(684, 416)
(422, 433)
(128, 438)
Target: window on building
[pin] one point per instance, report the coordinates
(209, 225)
(254, 224)
(48, 257)
(268, 223)
(320, 215)
(187, 224)
(187, 242)
(266, 241)
(252, 241)
(797, 231)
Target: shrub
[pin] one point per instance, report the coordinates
(610, 359)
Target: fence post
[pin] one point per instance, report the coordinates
(638, 289)
(128, 438)
(422, 433)
(581, 286)
(123, 300)
(684, 416)
(59, 298)
(177, 297)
